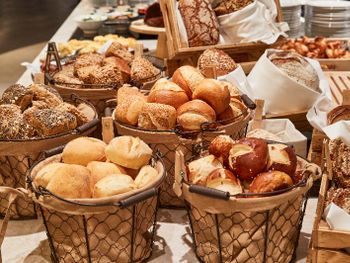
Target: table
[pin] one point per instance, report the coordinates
(26, 241)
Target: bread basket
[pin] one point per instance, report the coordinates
(16, 157)
(245, 227)
(167, 142)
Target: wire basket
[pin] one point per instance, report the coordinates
(114, 229)
(246, 227)
(17, 156)
(168, 142)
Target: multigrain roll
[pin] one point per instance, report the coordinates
(143, 71)
(45, 94)
(129, 110)
(127, 91)
(107, 74)
(213, 57)
(186, 77)
(214, 93)
(17, 94)
(129, 152)
(66, 107)
(121, 64)
(10, 121)
(87, 59)
(114, 184)
(118, 50)
(167, 92)
(155, 116)
(193, 114)
(84, 150)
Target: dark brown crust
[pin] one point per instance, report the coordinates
(270, 181)
(290, 168)
(340, 113)
(230, 6)
(220, 147)
(154, 16)
(17, 94)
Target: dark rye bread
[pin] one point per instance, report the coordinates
(340, 196)
(200, 22)
(340, 159)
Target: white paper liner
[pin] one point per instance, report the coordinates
(281, 93)
(239, 79)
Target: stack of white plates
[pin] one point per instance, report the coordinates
(291, 11)
(327, 18)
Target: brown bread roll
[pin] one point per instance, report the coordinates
(146, 176)
(83, 150)
(199, 169)
(44, 176)
(222, 62)
(17, 94)
(66, 107)
(114, 184)
(233, 113)
(167, 92)
(200, 22)
(220, 147)
(128, 112)
(121, 64)
(10, 121)
(282, 158)
(87, 59)
(214, 93)
(118, 50)
(143, 71)
(127, 151)
(224, 180)
(155, 116)
(340, 113)
(193, 114)
(71, 181)
(98, 170)
(186, 77)
(270, 181)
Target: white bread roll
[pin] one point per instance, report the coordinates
(83, 150)
(146, 176)
(114, 184)
(130, 152)
(45, 174)
(98, 170)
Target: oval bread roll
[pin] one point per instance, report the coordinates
(98, 170)
(84, 150)
(187, 77)
(156, 116)
(146, 176)
(128, 112)
(128, 151)
(113, 185)
(46, 173)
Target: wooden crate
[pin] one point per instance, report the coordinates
(338, 81)
(327, 244)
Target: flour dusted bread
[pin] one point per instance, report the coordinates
(113, 185)
(84, 150)
(129, 152)
(44, 176)
(99, 170)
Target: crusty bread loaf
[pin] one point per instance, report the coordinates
(83, 150)
(193, 114)
(167, 92)
(98, 170)
(113, 185)
(146, 176)
(214, 93)
(155, 116)
(127, 151)
(229, 6)
(128, 112)
(213, 57)
(340, 113)
(71, 181)
(186, 77)
(200, 22)
(44, 176)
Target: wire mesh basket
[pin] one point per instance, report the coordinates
(246, 227)
(168, 142)
(17, 156)
(113, 229)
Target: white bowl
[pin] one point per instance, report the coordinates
(90, 23)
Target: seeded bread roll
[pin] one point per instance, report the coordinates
(72, 82)
(118, 50)
(143, 71)
(127, 91)
(200, 22)
(155, 116)
(45, 95)
(84, 73)
(121, 64)
(10, 121)
(107, 74)
(17, 94)
(187, 78)
(66, 107)
(222, 62)
(193, 114)
(87, 59)
(128, 112)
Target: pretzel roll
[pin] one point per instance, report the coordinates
(220, 147)
(270, 181)
(282, 158)
(224, 180)
(199, 170)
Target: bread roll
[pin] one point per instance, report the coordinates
(83, 150)
(130, 152)
(167, 92)
(213, 57)
(121, 64)
(114, 184)
(146, 176)
(193, 114)
(155, 116)
(186, 77)
(214, 93)
(340, 113)
(229, 6)
(199, 170)
(17, 94)
(200, 22)
(220, 147)
(98, 170)
(45, 174)
(10, 121)
(128, 112)
(71, 181)
(233, 113)
(143, 71)
(127, 91)
(282, 158)
(234, 90)
(270, 181)
(224, 180)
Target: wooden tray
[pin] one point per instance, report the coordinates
(338, 81)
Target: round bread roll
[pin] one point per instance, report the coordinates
(167, 92)
(234, 91)
(224, 180)
(114, 184)
(214, 93)
(233, 113)
(146, 176)
(220, 147)
(282, 158)
(156, 116)
(127, 91)
(193, 114)
(71, 181)
(248, 157)
(45, 174)
(83, 150)
(98, 170)
(270, 181)
(130, 152)
(199, 170)
(340, 113)
(128, 112)
(187, 77)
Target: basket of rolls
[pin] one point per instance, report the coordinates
(182, 113)
(93, 208)
(245, 199)
(34, 119)
(96, 77)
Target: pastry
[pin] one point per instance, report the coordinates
(143, 71)
(114, 184)
(146, 176)
(116, 49)
(191, 115)
(282, 158)
(270, 181)
(220, 147)
(340, 113)
(17, 94)
(229, 6)
(199, 170)
(200, 22)
(187, 78)
(129, 110)
(155, 116)
(224, 180)
(212, 57)
(10, 121)
(87, 59)
(66, 107)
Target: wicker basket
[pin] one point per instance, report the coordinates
(114, 229)
(262, 228)
(168, 142)
(17, 156)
